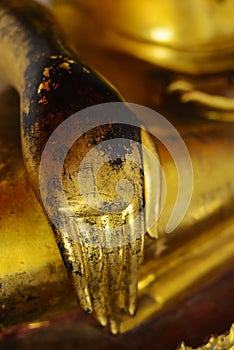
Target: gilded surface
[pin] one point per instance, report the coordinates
(53, 84)
(193, 36)
(225, 341)
(35, 288)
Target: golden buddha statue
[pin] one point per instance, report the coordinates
(177, 64)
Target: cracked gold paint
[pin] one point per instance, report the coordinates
(162, 280)
(43, 72)
(47, 83)
(86, 70)
(209, 144)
